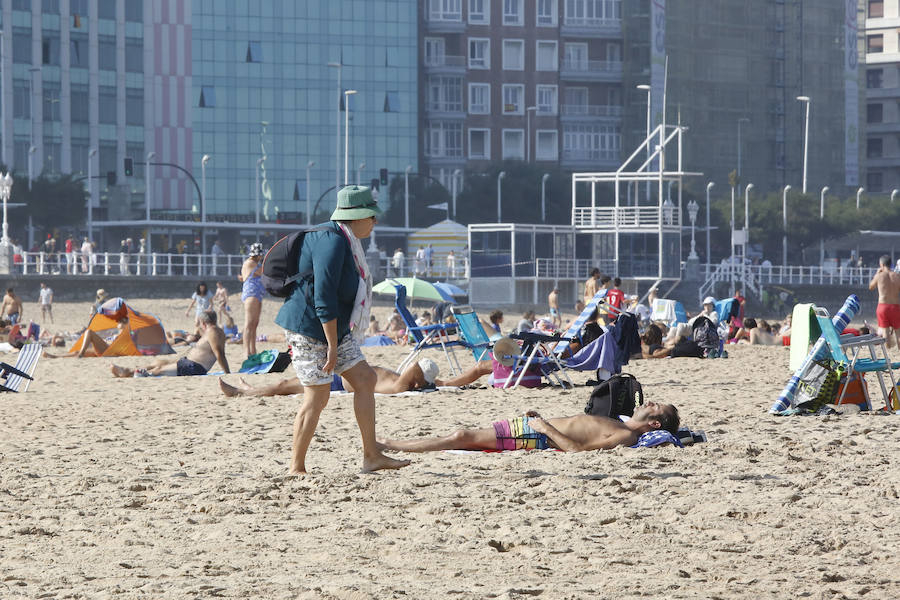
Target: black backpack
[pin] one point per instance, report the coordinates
(616, 396)
(705, 335)
(280, 264)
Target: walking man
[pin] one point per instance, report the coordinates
(46, 303)
(888, 310)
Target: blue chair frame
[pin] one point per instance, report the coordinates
(427, 337)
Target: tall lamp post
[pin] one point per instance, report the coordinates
(203, 162)
(787, 188)
(148, 197)
(337, 124)
(709, 186)
(259, 162)
(457, 174)
(359, 170)
(6, 183)
(309, 166)
(822, 218)
(31, 150)
(693, 208)
(746, 231)
(544, 179)
(647, 89)
(500, 177)
(347, 94)
(406, 173)
(90, 205)
(741, 121)
(805, 100)
(859, 194)
(528, 112)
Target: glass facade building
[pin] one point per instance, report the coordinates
(265, 102)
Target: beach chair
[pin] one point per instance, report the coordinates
(536, 350)
(15, 379)
(427, 337)
(670, 312)
(575, 328)
(471, 333)
(856, 363)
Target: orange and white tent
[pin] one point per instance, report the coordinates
(143, 334)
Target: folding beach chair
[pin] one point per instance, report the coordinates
(15, 379)
(670, 312)
(536, 350)
(471, 333)
(573, 331)
(427, 337)
(854, 345)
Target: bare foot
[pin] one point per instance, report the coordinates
(244, 385)
(121, 371)
(229, 390)
(380, 462)
(381, 445)
(295, 472)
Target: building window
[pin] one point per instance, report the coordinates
(50, 51)
(874, 113)
(874, 78)
(78, 54)
(21, 46)
(514, 55)
(134, 56)
(107, 105)
(875, 44)
(208, 96)
(444, 10)
(134, 106)
(576, 57)
(52, 154)
(392, 102)
(254, 52)
(546, 13)
(445, 94)
(479, 53)
(434, 52)
(50, 7)
(80, 155)
(106, 9)
(22, 5)
(79, 102)
(479, 98)
(547, 55)
(513, 144)
(134, 11)
(513, 99)
(479, 12)
(51, 102)
(592, 142)
(21, 101)
(480, 144)
(443, 139)
(592, 12)
(874, 181)
(874, 148)
(546, 99)
(106, 158)
(512, 12)
(78, 7)
(876, 9)
(546, 145)
(107, 53)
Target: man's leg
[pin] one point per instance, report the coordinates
(121, 371)
(471, 375)
(285, 387)
(164, 367)
(462, 439)
(363, 378)
(92, 340)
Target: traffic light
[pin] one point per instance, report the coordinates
(383, 173)
(110, 178)
(129, 167)
(374, 184)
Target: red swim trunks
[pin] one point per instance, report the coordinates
(888, 315)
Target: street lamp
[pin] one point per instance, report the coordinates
(90, 216)
(647, 89)
(528, 112)
(859, 193)
(805, 99)
(148, 195)
(693, 207)
(347, 94)
(406, 173)
(500, 177)
(359, 169)
(741, 121)
(6, 182)
(309, 166)
(893, 195)
(668, 211)
(746, 231)
(787, 188)
(709, 186)
(337, 125)
(32, 150)
(544, 196)
(203, 162)
(457, 174)
(259, 162)
(822, 218)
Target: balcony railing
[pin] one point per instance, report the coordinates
(591, 110)
(625, 217)
(445, 61)
(593, 22)
(444, 107)
(592, 67)
(586, 155)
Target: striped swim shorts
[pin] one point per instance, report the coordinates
(517, 434)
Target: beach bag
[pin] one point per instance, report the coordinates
(857, 390)
(531, 379)
(281, 263)
(618, 395)
(818, 386)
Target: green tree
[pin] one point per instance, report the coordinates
(52, 202)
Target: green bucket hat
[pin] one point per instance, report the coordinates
(355, 202)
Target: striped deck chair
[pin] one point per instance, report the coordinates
(15, 379)
(574, 329)
(471, 333)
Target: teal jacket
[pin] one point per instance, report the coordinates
(329, 293)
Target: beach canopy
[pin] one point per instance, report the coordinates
(417, 289)
(143, 334)
(449, 288)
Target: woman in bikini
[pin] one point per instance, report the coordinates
(251, 295)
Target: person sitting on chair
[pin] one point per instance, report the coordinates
(532, 432)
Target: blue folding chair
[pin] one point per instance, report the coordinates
(471, 333)
(427, 337)
(575, 328)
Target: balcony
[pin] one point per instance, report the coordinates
(446, 23)
(591, 27)
(445, 110)
(445, 64)
(882, 93)
(591, 70)
(589, 112)
(592, 159)
(882, 162)
(625, 217)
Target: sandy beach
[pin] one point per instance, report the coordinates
(164, 488)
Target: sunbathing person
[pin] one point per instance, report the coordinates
(757, 334)
(532, 432)
(208, 349)
(653, 345)
(93, 345)
(417, 376)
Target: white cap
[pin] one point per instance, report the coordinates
(429, 369)
(709, 300)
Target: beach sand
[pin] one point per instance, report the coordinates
(163, 488)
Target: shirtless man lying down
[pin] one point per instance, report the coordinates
(533, 432)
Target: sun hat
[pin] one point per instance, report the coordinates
(355, 202)
(101, 294)
(256, 249)
(709, 300)
(429, 369)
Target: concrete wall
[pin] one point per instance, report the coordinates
(83, 288)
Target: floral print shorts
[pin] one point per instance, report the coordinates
(308, 356)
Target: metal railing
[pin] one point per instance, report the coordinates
(625, 217)
(445, 61)
(609, 22)
(758, 275)
(591, 110)
(592, 66)
(570, 268)
(410, 267)
(121, 263)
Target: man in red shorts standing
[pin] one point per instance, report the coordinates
(888, 311)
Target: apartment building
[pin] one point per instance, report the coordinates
(882, 47)
(532, 80)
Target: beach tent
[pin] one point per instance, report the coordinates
(143, 335)
(444, 236)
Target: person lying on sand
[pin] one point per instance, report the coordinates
(417, 376)
(208, 349)
(93, 345)
(533, 432)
